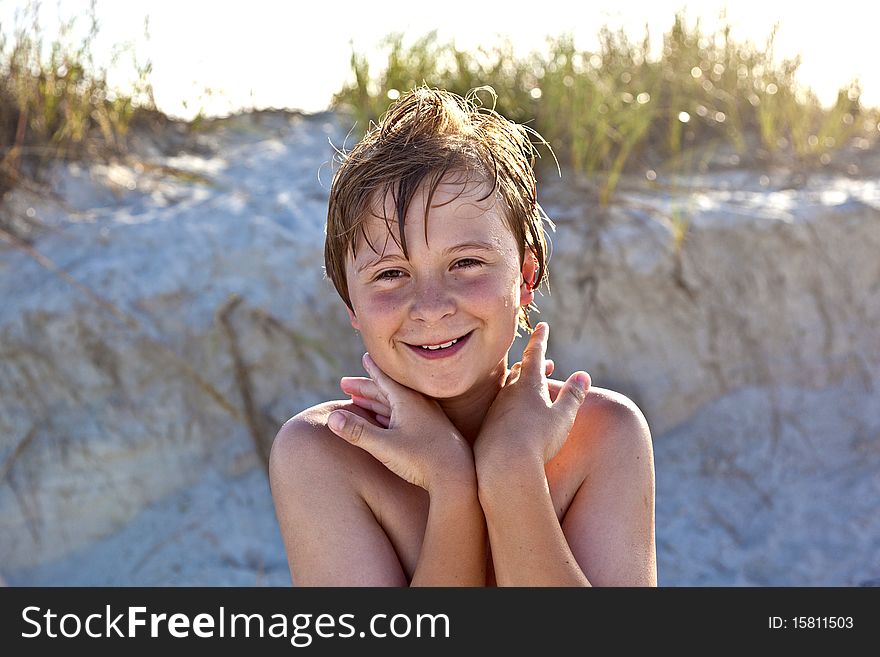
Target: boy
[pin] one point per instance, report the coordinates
(447, 468)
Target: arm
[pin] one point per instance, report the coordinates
(454, 548)
(331, 537)
(421, 446)
(529, 547)
(610, 522)
(607, 535)
(522, 432)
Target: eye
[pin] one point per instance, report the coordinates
(382, 275)
(471, 263)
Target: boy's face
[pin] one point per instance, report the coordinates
(465, 283)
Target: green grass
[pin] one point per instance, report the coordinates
(56, 104)
(605, 113)
(617, 110)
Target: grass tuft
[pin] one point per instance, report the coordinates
(55, 104)
(707, 100)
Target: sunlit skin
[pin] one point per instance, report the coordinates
(460, 471)
(442, 292)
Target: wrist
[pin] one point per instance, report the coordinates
(506, 492)
(500, 469)
(457, 477)
(501, 454)
(459, 486)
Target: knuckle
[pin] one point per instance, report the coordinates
(579, 394)
(356, 431)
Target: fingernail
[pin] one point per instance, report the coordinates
(581, 381)
(336, 421)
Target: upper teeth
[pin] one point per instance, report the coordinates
(441, 346)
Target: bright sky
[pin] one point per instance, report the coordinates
(268, 53)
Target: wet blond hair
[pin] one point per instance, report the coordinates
(425, 135)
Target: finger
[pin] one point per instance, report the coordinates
(363, 387)
(388, 386)
(572, 394)
(384, 420)
(353, 429)
(513, 373)
(533, 354)
(371, 405)
(379, 443)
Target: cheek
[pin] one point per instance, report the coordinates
(490, 286)
(489, 295)
(381, 304)
(378, 315)
(480, 287)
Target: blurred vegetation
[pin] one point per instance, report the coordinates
(707, 101)
(707, 98)
(56, 104)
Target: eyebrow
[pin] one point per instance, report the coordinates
(473, 244)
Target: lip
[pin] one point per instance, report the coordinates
(435, 354)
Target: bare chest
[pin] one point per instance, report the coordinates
(402, 510)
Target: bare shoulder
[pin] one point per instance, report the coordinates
(305, 443)
(612, 405)
(609, 421)
(307, 425)
(301, 431)
(331, 535)
(610, 522)
(617, 415)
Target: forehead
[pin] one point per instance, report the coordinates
(460, 208)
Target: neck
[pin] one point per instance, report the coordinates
(467, 411)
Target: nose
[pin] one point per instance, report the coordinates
(431, 302)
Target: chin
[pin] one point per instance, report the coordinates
(439, 391)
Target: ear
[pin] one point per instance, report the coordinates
(529, 270)
(353, 319)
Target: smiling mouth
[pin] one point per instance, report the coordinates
(450, 347)
(442, 345)
(445, 345)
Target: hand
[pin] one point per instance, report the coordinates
(365, 393)
(419, 445)
(522, 422)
